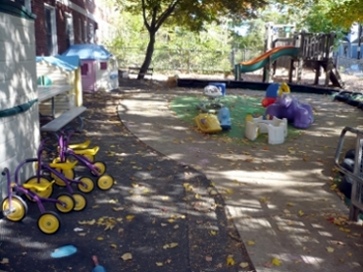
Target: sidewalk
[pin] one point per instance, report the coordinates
(277, 196)
(158, 217)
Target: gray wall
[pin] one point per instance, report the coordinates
(19, 134)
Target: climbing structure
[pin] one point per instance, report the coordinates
(313, 50)
(316, 50)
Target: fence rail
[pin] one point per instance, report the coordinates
(209, 61)
(187, 60)
(350, 66)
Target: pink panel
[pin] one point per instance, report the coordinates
(88, 76)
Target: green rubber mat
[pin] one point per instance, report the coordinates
(186, 108)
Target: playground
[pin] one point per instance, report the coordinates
(288, 191)
(285, 192)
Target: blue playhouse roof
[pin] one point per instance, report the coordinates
(68, 63)
(88, 52)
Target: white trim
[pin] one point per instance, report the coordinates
(69, 19)
(85, 32)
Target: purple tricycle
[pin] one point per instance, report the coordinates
(15, 208)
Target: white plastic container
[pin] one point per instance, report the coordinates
(275, 128)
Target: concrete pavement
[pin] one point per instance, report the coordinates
(278, 197)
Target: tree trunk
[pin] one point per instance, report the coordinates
(148, 55)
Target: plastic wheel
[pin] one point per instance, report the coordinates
(105, 182)
(80, 202)
(43, 181)
(69, 202)
(89, 185)
(49, 222)
(19, 207)
(67, 173)
(101, 167)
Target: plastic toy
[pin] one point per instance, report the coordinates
(208, 123)
(273, 91)
(224, 118)
(97, 168)
(84, 184)
(300, 115)
(97, 267)
(15, 208)
(213, 91)
(275, 128)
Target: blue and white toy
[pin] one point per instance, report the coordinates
(224, 118)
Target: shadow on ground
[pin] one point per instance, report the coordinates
(160, 215)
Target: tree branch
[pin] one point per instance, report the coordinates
(146, 23)
(166, 14)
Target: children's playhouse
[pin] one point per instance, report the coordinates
(98, 67)
(60, 72)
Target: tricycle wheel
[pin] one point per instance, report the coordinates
(101, 168)
(81, 202)
(18, 210)
(66, 203)
(44, 183)
(105, 182)
(86, 185)
(49, 222)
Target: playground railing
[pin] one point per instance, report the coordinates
(350, 66)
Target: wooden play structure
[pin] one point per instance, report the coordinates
(313, 50)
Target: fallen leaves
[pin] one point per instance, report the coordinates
(89, 222)
(130, 217)
(244, 265)
(170, 245)
(208, 258)
(330, 249)
(276, 262)
(230, 261)
(251, 242)
(126, 256)
(4, 261)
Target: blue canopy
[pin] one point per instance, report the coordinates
(68, 63)
(88, 52)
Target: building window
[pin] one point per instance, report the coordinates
(69, 29)
(103, 65)
(51, 31)
(84, 69)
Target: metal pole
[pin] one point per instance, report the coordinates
(359, 41)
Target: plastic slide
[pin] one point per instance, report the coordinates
(262, 60)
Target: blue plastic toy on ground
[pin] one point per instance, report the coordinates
(98, 267)
(224, 118)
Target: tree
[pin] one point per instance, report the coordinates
(188, 13)
(345, 13)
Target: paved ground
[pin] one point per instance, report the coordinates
(161, 215)
(182, 201)
(279, 197)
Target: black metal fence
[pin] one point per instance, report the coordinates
(187, 60)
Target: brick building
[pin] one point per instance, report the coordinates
(60, 23)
